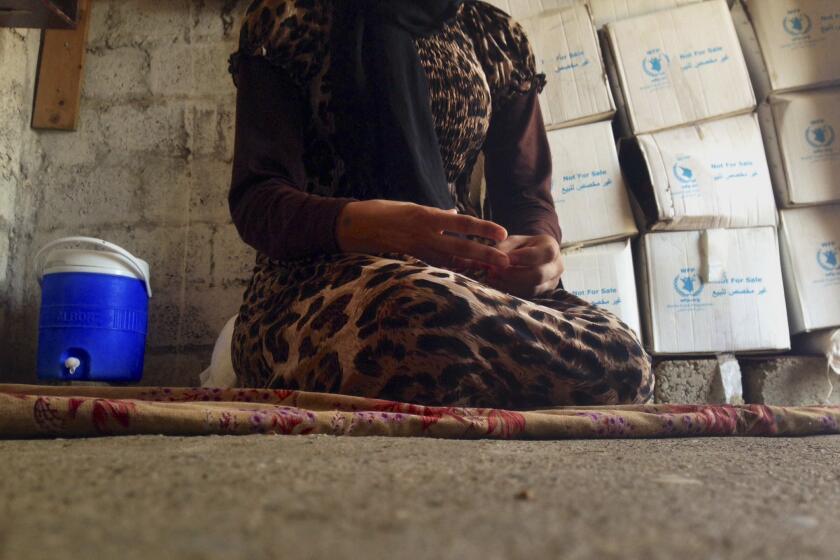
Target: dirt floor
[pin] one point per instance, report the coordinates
(324, 497)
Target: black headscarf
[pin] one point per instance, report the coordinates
(386, 130)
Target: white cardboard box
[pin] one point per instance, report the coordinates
(606, 11)
(587, 186)
(799, 42)
(566, 49)
(810, 246)
(603, 275)
(711, 292)
(751, 50)
(522, 9)
(710, 175)
(800, 135)
(678, 67)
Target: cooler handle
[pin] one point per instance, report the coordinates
(99, 243)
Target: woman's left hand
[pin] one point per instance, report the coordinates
(535, 265)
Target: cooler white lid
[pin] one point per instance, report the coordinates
(110, 259)
(97, 262)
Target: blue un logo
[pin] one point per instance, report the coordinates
(828, 259)
(683, 173)
(688, 283)
(655, 64)
(820, 135)
(797, 23)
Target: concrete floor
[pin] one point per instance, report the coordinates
(323, 497)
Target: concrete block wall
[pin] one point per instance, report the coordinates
(19, 160)
(790, 381)
(148, 169)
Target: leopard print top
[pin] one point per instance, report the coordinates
(477, 62)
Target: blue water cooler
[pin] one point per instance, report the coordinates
(94, 312)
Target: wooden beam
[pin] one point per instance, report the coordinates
(43, 14)
(60, 66)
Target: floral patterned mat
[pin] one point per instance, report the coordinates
(28, 411)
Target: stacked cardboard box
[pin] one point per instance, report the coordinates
(606, 11)
(588, 187)
(791, 48)
(566, 49)
(702, 159)
(708, 263)
(603, 275)
(603, 11)
(810, 241)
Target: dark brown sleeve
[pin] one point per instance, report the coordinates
(517, 168)
(269, 207)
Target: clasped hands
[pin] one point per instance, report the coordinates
(522, 265)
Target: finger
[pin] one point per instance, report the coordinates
(471, 250)
(534, 255)
(469, 225)
(512, 242)
(548, 272)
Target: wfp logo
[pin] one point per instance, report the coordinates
(827, 257)
(655, 64)
(683, 173)
(796, 23)
(688, 283)
(820, 134)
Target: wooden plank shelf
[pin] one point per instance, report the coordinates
(42, 14)
(59, 85)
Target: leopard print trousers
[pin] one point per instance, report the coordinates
(394, 327)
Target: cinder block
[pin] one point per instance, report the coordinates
(116, 73)
(158, 128)
(199, 262)
(165, 312)
(79, 147)
(790, 381)
(178, 368)
(12, 94)
(207, 311)
(87, 196)
(99, 27)
(4, 255)
(233, 259)
(148, 22)
(19, 347)
(8, 190)
(166, 186)
(171, 69)
(12, 129)
(210, 68)
(698, 381)
(165, 249)
(192, 70)
(212, 129)
(214, 20)
(15, 52)
(193, 316)
(209, 192)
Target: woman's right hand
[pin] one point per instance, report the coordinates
(387, 226)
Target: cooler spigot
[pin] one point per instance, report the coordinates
(72, 364)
